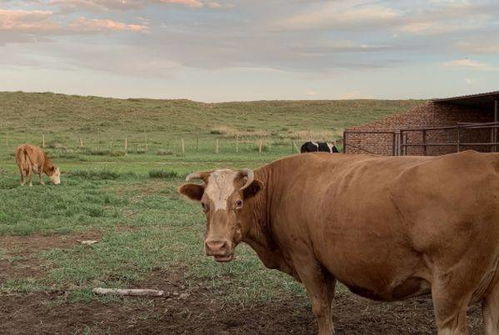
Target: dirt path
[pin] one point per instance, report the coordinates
(196, 310)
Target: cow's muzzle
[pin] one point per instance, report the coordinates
(220, 250)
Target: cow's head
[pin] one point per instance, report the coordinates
(55, 175)
(222, 197)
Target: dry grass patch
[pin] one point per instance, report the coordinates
(316, 134)
(232, 132)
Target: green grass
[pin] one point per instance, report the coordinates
(163, 232)
(130, 197)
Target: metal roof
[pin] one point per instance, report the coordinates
(479, 99)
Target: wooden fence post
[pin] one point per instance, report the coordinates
(237, 143)
(296, 147)
(81, 142)
(183, 145)
(216, 147)
(147, 143)
(260, 146)
(43, 141)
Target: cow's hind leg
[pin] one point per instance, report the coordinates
(320, 287)
(41, 178)
(23, 181)
(490, 310)
(29, 177)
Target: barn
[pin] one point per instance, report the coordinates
(437, 127)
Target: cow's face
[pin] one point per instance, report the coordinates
(222, 198)
(55, 177)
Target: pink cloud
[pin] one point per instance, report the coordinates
(189, 3)
(27, 21)
(101, 25)
(118, 4)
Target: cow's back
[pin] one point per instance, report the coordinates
(29, 156)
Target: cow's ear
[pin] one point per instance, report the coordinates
(192, 191)
(252, 189)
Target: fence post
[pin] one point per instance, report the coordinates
(237, 143)
(81, 142)
(216, 147)
(126, 146)
(344, 142)
(43, 141)
(296, 147)
(496, 120)
(183, 145)
(260, 147)
(397, 143)
(425, 152)
(147, 143)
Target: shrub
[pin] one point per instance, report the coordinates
(103, 174)
(162, 152)
(163, 174)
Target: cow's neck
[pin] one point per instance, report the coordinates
(259, 231)
(47, 166)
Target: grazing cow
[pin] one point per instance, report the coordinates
(389, 228)
(31, 159)
(318, 146)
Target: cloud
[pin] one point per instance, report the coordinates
(189, 3)
(436, 17)
(84, 25)
(488, 45)
(334, 15)
(106, 5)
(22, 25)
(27, 21)
(467, 63)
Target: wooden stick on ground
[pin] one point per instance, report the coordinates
(134, 292)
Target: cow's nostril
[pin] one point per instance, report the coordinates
(216, 245)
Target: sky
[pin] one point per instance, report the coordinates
(227, 50)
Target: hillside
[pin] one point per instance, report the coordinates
(155, 126)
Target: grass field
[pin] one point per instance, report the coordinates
(147, 235)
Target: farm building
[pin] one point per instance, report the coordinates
(436, 127)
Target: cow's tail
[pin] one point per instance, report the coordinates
(24, 161)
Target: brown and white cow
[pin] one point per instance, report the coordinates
(389, 228)
(31, 159)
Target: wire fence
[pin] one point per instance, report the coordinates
(140, 144)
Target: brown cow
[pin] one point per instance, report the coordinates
(389, 228)
(31, 159)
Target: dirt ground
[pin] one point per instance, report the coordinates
(192, 309)
(196, 310)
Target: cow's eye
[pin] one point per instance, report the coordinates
(239, 204)
(205, 206)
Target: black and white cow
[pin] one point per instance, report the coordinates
(318, 146)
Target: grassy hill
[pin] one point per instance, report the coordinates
(64, 119)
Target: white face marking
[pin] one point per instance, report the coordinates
(220, 187)
(56, 177)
